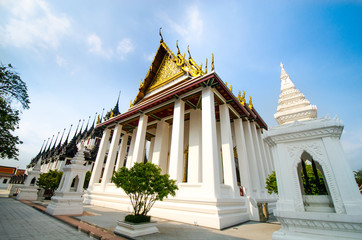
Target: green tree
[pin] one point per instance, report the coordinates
(144, 184)
(12, 90)
(271, 183)
(50, 181)
(86, 179)
(358, 176)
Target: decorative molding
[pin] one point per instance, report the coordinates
(166, 73)
(305, 225)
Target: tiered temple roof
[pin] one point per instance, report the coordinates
(170, 76)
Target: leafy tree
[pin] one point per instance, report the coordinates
(87, 179)
(271, 183)
(50, 181)
(12, 88)
(9, 119)
(358, 176)
(144, 184)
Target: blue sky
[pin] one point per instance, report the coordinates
(75, 56)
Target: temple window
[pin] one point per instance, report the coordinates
(32, 183)
(74, 186)
(315, 193)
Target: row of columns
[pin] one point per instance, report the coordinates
(205, 164)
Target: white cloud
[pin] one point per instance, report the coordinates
(192, 28)
(95, 46)
(32, 24)
(61, 61)
(124, 47)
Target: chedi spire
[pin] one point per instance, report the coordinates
(292, 103)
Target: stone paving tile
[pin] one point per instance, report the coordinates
(19, 221)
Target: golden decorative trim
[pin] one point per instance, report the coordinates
(167, 72)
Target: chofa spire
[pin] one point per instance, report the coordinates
(292, 103)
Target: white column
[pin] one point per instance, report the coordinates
(139, 147)
(259, 160)
(160, 149)
(219, 155)
(210, 164)
(263, 153)
(252, 160)
(244, 168)
(195, 133)
(177, 141)
(270, 156)
(150, 151)
(130, 150)
(108, 169)
(96, 173)
(122, 151)
(227, 150)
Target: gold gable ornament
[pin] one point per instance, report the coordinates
(166, 67)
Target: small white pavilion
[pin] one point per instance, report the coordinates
(324, 202)
(198, 132)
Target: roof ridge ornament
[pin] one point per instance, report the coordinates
(159, 31)
(212, 63)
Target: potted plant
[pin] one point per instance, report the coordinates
(144, 184)
(49, 182)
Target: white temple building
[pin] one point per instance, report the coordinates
(198, 132)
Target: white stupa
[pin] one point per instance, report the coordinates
(292, 103)
(333, 214)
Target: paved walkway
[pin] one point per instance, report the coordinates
(19, 221)
(22, 221)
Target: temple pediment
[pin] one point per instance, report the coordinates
(165, 68)
(167, 71)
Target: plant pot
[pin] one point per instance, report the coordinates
(135, 229)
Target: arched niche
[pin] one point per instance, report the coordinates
(74, 185)
(313, 184)
(33, 181)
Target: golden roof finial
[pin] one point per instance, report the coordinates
(111, 116)
(159, 31)
(98, 119)
(206, 66)
(188, 50)
(242, 99)
(231, 88)
(226, 83)
(178, 50)
(212, 63)
(239, 96)
(250, 103)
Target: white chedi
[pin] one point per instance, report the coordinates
(292, 103)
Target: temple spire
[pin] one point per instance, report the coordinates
(42, 147)
(55, 142)
(45, 147)
(292, 103)
(116, 108)
(76, 130)
(61, 138)
(66, 140)
(86, 128)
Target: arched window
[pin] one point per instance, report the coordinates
(74, 186)
(32, 183)
(312, 182)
